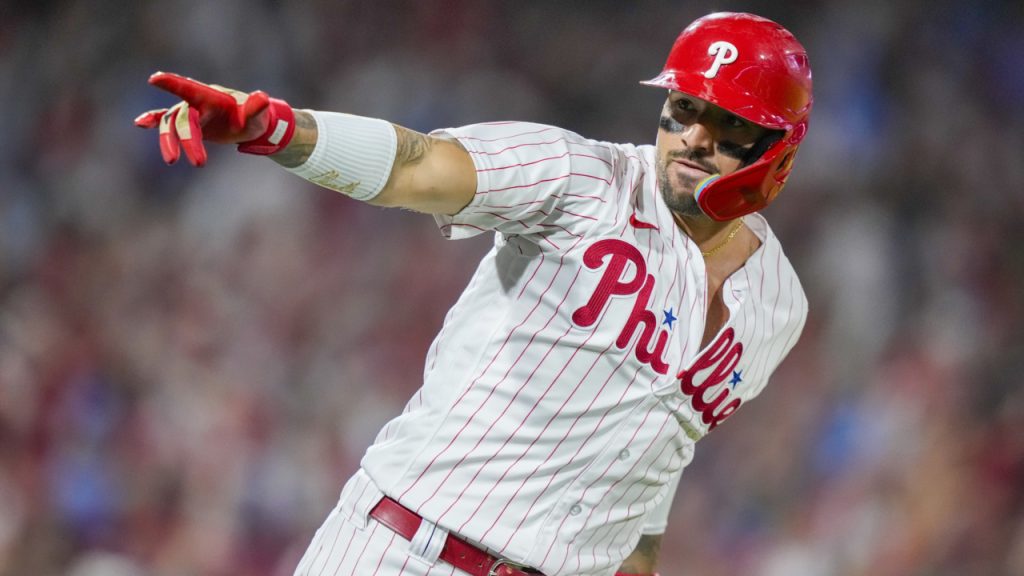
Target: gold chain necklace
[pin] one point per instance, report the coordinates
(732, 234)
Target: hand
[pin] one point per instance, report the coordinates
(257, 123)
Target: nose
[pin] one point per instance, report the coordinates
(698, 137)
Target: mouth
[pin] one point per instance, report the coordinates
(692, 168)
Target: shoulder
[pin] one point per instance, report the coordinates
(777, 282)
(525, 138)
(539, 180)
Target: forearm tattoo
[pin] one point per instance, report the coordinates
(302, 144)
(412, 146)
(644, 558)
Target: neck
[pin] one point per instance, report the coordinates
(701, 229)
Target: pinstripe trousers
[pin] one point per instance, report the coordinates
(351, 543)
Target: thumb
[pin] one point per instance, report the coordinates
(253, 105)
(150, 119)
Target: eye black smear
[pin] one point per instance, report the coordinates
(669, 124)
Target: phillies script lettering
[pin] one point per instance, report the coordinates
(613, 283)
(707, 373)
(721, 358)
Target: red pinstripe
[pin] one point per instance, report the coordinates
(596, 479)
(313, 560)
(791, 341)
(525, 144)
(579, 449)
(543, 181)
(547, 129)
(585, 217)
(536, 436)
(643, 491)
(404, 564)
(335, 542)
(530, 202)
(677, 298)
(451, 569)
(562, 228)
(511, 401)
(607, 181)
(520, 165)
(447, 227)
(744, 324)
(444, 329)
(693, 304)
(384, 554)
(760, 297)
(545, 237)
(650, 245)
(481, 374)
(763, 358)
(639, 180)
(589, 197)
(532, 276)
(527, 203)
(497, 354)
(520, 186)
(668, 417)
(778, 297)
(617, 188)
(593, 157)
(552, 419)
(355, 566)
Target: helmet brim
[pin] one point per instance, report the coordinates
(728, 95)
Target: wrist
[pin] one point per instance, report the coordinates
(352, 154)
(279, 132)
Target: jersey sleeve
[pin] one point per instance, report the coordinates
(533, 180)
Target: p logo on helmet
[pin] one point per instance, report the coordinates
(724, 53)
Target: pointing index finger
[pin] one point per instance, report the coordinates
(189, 90)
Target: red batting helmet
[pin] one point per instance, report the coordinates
(757, 70)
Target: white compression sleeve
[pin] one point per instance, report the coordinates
(353, 154)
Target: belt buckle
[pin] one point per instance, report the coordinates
(502, 562)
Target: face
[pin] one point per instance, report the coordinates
(695, 140)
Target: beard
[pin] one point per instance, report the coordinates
(678, 194)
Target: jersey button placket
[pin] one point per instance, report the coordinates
(575, 510)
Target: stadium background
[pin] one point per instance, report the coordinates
(192, 361)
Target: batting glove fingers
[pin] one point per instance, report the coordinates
(257, 123)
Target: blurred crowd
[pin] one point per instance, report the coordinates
(192, 361)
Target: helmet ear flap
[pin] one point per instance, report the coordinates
(749, 189)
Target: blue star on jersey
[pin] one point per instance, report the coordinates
(669, 318)
(736, 378)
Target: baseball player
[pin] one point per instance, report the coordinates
(633, 301)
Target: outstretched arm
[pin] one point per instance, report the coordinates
(429, 174)
(426, 173)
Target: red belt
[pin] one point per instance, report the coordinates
(456, 551)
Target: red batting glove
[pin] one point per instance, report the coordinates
(256, 122)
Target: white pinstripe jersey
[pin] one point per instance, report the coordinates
(566, 389)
